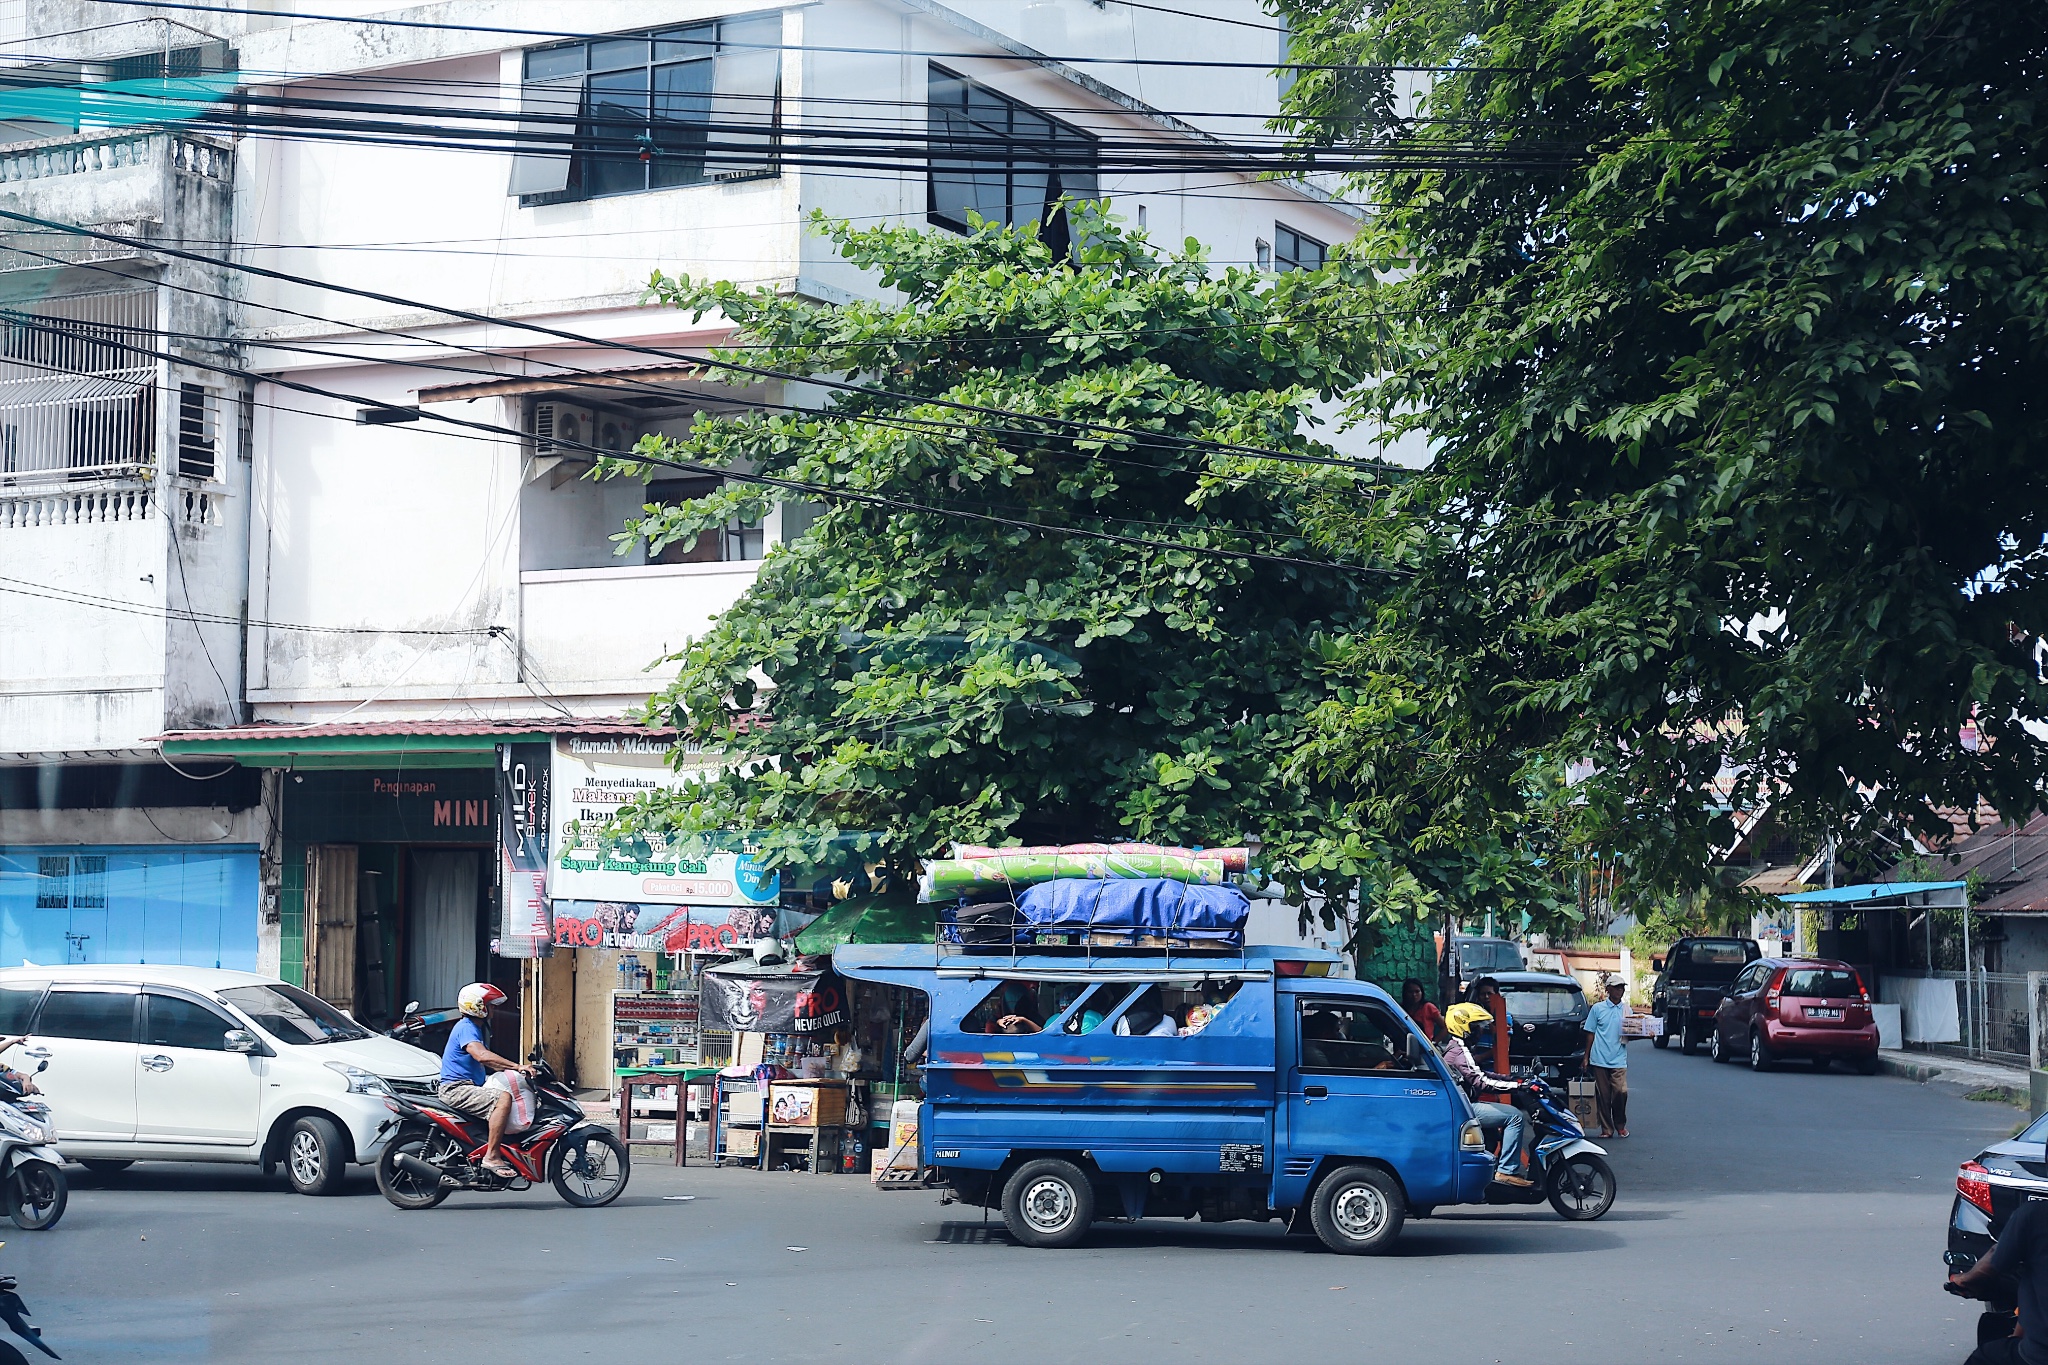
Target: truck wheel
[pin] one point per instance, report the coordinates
(1048, 1203)
(1358, 1211)
(1663, 1040)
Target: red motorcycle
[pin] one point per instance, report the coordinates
(438, 1150)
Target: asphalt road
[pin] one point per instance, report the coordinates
(1790, 1216)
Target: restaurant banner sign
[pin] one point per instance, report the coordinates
(668, 928)
(593, 776)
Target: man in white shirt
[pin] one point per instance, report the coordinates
(1607, 1059)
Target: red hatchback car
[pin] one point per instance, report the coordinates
(1810, 1007)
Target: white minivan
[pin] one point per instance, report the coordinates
(203, 1064)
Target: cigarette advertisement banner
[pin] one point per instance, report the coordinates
(790, 1002)
(523, 919)
(593, 776)
(670, 928)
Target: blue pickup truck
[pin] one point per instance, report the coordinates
(1220, 1085)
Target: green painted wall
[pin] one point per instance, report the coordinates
(1404, 950)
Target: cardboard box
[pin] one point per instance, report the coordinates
(743, 1142)
(1642, 1026)
(749, 1049)
(894, 1165)
(744, 1106)
(807, 1104)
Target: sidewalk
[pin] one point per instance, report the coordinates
(1927, 1066)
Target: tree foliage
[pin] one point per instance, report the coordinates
(1050, 595)
(1726, 323)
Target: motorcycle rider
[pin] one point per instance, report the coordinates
(22, 1081)
(1459, 1021)
(465, 1063)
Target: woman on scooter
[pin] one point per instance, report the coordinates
(1459, 1021)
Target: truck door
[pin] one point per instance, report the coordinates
(1358, 1087)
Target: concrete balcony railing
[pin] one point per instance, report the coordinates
(600, 629)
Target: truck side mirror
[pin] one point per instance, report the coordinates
(1656, 964)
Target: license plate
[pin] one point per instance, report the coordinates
(1813, 1013)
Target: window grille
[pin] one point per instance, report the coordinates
(1292, 251)
(78, 387)
(89, 881)
(53, 883)
(198, 432)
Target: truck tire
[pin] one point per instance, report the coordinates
(1663, 1040)
(1048, 1203)
(1358, 1211)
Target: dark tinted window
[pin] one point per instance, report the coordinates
(18, 1004)
(1530, 1003)
(1705, 961)
(1339, 1036)
(175, 1022)
(1822, 982)
(105, 1015)
(1489, 955)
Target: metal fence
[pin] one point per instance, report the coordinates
(78, 387)
(1992, 1014)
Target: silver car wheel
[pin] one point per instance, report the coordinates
(306, 1158)
(1048, 1205)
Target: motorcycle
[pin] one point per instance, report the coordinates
(2000, 1296)
(1569, 1171)
(36, 1190)
(15, 1314)
(438, 1150)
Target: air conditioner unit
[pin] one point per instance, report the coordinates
(562, 429)
(616, 434)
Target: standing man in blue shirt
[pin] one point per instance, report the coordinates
(465, 1063)
(1607, 1059)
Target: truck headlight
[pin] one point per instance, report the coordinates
(360, 1082)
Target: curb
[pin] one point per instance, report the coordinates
(1912, 1071)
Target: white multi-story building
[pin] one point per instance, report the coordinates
(229, 509)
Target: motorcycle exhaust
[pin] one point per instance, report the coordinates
(413, 1165)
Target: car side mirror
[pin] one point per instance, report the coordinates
(1656, 964)
(240, 1040)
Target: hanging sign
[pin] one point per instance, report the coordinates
(786, 1002)
(593, 776)
(524, 924)
(668, 928)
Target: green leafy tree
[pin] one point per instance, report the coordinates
(1725, 322)
(1055, 592)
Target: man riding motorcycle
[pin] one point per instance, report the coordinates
(465, 1064)
(22, 1082)
(1459, 1021)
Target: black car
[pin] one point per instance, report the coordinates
(1549, 1017)
(1989, 1187)
(1691, 979)
(1467, 957)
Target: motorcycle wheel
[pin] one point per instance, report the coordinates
(1582, 1187)
(400, 1186)
(36, 1195)
(594, 1173)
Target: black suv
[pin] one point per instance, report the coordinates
(1549, 1014)
(1691, 979)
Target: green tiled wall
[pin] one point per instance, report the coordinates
(291, 908)
(1406, 949)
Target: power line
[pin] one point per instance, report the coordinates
(660, 353)
(76, 597)
(586, 35)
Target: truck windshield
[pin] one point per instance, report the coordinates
(1715, 961)
(1489, 955)
(1529, 1003)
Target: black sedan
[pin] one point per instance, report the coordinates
(1549, 1015)
(1989, 1187)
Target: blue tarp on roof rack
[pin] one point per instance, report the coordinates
(1137, 907)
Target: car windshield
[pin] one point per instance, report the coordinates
(1715, 961)
(1822, 982)
(290, 1015)
(1527, 1002)
(1489, 955)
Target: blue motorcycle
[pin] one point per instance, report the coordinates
(1569, 1171)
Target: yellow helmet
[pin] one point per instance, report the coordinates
(1459, 1019)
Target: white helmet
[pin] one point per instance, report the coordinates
(477, 998)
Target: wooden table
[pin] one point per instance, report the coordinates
(652, 1077)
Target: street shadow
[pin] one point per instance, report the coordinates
(1422, 1238)
(172, 1177)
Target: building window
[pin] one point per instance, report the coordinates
(198, 432)
(734, 542)
(53, 883)
(89, 881)
(78, 387)
(1000, 160)
(624, 114)
(1292, 251)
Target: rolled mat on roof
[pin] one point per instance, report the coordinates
(1233, 859)
(946, 878)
